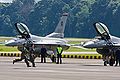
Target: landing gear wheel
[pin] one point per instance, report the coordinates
(105, 63)
(111, 64)
(112, 61)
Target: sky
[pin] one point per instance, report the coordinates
(10, 1)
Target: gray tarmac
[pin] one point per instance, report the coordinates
(71, 69)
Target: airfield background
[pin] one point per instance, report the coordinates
(44, 15)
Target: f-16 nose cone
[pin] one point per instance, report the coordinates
(89, 44)
(9, 43)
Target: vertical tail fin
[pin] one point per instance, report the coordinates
(61, 25)
(59, 31)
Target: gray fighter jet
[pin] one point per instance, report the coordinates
(50, 41)
(104, 43)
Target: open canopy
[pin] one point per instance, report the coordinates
(102, 30)
(23, 30)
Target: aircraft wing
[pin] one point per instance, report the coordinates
(116, 45)
(50, 43)
(79, 46)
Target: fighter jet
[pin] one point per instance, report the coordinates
(105, 43)
(50, 41)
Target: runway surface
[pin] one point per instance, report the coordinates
(71, 69)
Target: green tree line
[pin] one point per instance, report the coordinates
(42, 17)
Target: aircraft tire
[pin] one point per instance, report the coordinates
(105, 63)
(112, 61)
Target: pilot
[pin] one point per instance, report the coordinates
(59, 54)
(27, 55)
(43, 54)
(23, 56)
(117, 56)
(30, 57)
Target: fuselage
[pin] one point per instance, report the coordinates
(99, 43)
(50, 43)
(104, 47)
